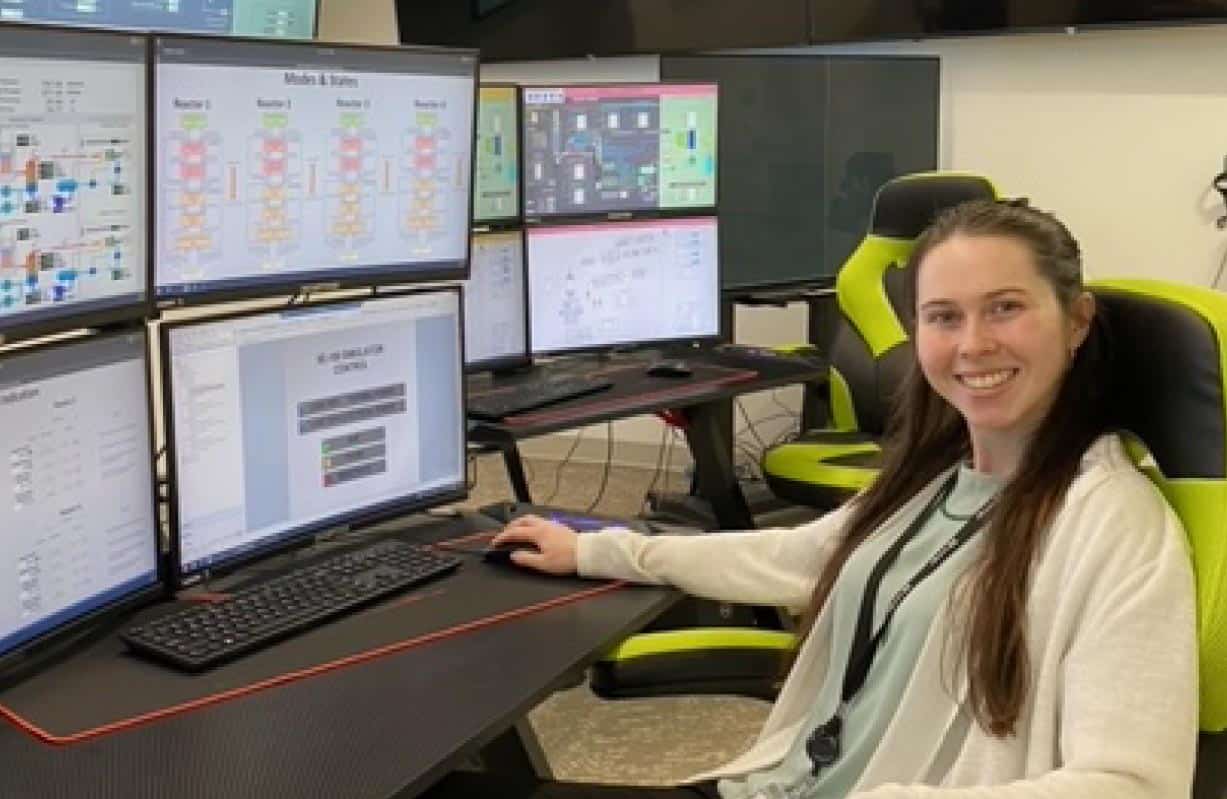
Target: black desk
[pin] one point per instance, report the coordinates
(390, 726)
(706, 414)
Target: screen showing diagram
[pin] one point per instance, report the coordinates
(495, 324)
(77, 511)
(288, 422)
(72, 175)
(496, 192)
(597, 149)
(282, 166)
(277, 19)
(619, 283)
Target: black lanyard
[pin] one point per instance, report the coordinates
(822, 746)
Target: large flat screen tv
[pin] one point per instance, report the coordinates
(861, 20)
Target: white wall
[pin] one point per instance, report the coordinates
(1118, 132)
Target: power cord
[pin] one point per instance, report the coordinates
(660, 459)
(600, 494)
(579, 436)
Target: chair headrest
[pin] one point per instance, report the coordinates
(1167, 373)
(905, 205)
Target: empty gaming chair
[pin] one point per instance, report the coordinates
(871, 348)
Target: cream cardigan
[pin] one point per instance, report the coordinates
(1112, 710)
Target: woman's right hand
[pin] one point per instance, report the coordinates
(557, 545)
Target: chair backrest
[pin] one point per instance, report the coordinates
(1168, 346)
(870, 351)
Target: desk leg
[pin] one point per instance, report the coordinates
(517, 753)
(515, 472)
(707, 433)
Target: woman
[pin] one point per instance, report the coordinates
(1007, 611)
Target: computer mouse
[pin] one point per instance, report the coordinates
(669, 369)
(500, 555)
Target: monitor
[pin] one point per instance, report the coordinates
(284, 167)
(282, 19)
(495, 303)
(80, 534)
(73, 228)
(619, 148)
(287, 423)
(496, 187)
(798, 178)
(615, 284)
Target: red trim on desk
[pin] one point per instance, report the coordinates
(183, 708)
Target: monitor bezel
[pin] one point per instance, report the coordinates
(306, 533)
(98, 312)
(482, 225)
(637, 344)
(32, 653)
(504, 363)
(620, 215)
(316, 280)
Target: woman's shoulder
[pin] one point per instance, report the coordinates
(1111, 498)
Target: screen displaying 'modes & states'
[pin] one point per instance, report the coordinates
(287, 166)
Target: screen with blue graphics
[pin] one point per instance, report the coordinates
(280, 19)
(72, 177)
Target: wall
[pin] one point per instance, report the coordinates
(1119, 132)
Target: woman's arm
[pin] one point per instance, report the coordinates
(764, 567)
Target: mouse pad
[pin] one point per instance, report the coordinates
(96, 686)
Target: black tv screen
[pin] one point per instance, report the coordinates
(861, 20)
(805, 143)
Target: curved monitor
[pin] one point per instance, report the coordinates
(80, 534)
(619, 148)
(73, 230)
(283, 19)
(496, 303)
(496, 184)
(285, 167)
(619, 284)
(283, 424)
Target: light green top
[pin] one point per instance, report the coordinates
(870, 711)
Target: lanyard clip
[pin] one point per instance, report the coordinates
(822, 746)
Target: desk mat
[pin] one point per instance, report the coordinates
(103, 689)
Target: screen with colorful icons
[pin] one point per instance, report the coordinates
(276, 19)
(73, 227)
(617, 148)
(289, 166)
(496, 191)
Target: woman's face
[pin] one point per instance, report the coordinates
(991, 336)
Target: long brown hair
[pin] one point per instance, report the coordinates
(925, 436)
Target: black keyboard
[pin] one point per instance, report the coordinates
(501, 403)
(205, 635)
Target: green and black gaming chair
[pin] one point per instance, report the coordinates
(1168, 349)
(871, 349)
(1168, 344)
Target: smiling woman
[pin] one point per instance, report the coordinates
(1007, 520)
